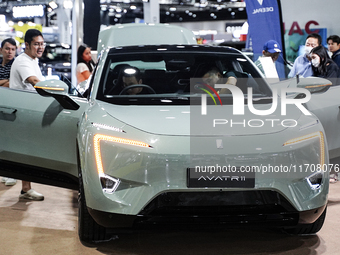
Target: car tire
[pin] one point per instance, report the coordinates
(88, 229)
(308, 229)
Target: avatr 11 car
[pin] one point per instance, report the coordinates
(154, 156)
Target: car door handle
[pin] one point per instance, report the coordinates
(7, 110)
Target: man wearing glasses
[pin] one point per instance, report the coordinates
(25, 73)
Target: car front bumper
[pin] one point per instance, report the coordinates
(146, 175)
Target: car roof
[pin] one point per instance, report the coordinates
(139, 34)
(177, 48)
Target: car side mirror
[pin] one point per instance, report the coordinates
(313, 84)
(58, 90)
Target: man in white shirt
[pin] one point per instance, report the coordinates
(25, 73)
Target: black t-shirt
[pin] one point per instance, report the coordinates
(332, 73)
(5, 70)
(336, 57)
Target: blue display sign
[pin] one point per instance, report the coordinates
(264, 25)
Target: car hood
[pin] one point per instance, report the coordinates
(187, 120)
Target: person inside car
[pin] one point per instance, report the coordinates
(213, 75)
(132, 76)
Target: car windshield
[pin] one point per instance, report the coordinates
(161, 77)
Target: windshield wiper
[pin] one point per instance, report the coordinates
(261, 98)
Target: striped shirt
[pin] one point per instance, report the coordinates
(5, 70)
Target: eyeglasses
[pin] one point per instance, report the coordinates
(37, 45)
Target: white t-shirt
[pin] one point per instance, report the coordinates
(81, 67)
(23, 67)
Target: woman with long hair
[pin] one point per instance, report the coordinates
(323, 66)
(85, 64)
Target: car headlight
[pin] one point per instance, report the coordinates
(316, 135)
(109, 183)
(315, 179)
(98, 138)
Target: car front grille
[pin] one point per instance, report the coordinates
(267, 208)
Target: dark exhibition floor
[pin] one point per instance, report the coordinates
(50, 227)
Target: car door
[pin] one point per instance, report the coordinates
(326, 107)
(37, 131)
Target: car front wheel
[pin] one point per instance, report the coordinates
(308, 229)
(88, 229)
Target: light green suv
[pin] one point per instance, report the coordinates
(182, 150)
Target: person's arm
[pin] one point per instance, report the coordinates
(83, 76)
(4, 83)
(82, 72)
(232, 80)
(32, 80)
(292, 72)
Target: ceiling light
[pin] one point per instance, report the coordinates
(68, 4)
(28, 11)
(53, 5)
